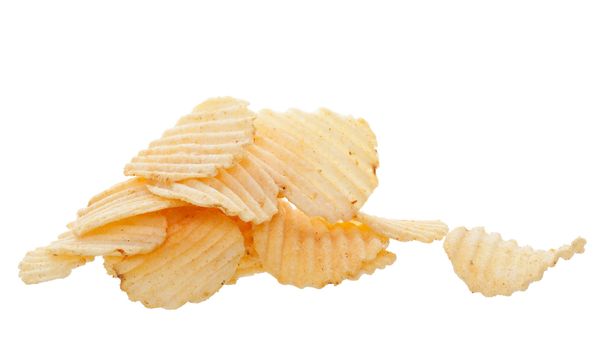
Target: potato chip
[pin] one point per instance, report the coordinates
(384, 258)
(324, 163)
(126, 199)
(405, 230)
(310, 252)
(199, 255)
(492, 266)
(245, 190)
(212, 137)
(134, 235)
(40, 265)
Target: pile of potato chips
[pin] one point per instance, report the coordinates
(228, 193)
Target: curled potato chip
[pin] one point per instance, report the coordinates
(245, 190)
(126, 199)
(200, 254)
(135, 235)
(492, 266)
(309, 252)
(212, 137)
(324, 163)
(405, 230)
(41, 265)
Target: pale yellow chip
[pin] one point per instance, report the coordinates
(40, 265)
(135, 235)
(492, 266)
(383, 259)
(245, 190)
(200, 254)
(405, 230)
(210, 138)
(309, 252)
(126, 199)
(324, 163)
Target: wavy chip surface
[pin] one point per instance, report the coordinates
(124, 200)
(492, 266)
(245, 190)
(200, 254)
(405, 230)
(135, 235)
(325, 164)
(210, 138)
(309, 252)
(40, 265)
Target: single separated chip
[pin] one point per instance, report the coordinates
(492, 266)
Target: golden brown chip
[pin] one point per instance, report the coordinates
(200, 254)
(126, 199)
(212, 137)
(245, 190)
(134, 235)
(405, 230)
(324, 163)
(40, 265)
(309, 252)
(492, 266)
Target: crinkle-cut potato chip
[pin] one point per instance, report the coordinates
(210, 138)
(384, 258)
(309, 252)
(492, 266)
(135, 235)
(405, 230)
(40, 265)
(200, 254)
(126, 199)
(245, 190)
(325, 164)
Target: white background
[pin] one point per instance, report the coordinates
(487, 113)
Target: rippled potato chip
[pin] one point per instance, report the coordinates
(310, 252)
(383, 259)
(324, 163)
(200, 254)
(210, 138)
(492, 266)
(135, 235)
(245, 190)
(40, 265)
(124, 200)
(405, 230)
